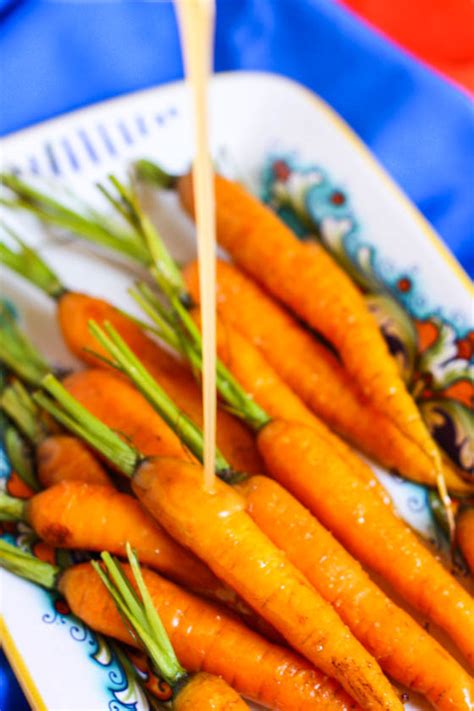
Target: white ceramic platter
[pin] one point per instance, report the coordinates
(60, 664)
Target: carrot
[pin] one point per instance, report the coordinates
(401, 646)
(305, 278)
(204, 636)
(215, 526)
(83, 516)
(403, 649)
(205, 691)
(378, 538)
(465, 535)
(128, 594)
(65, 458)
(317, 377)
(417, 575)
(114, 401)
(57, 456)
(75, 312)
(258, 378)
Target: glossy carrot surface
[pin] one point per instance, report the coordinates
(75, 311)
(371, 531)
(404, 650)
(215, 526)
(317, 377)
(207, 638)
(64, 458)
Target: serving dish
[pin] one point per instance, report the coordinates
(289, 146)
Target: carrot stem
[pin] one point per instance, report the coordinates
(67, 410)
(151, 173)
(17, 352)
(20, 460)
(89, 223)
(27, 566)
(26, 262)
(179, 422)
(11, 508)
(20, 407)
(140, 614)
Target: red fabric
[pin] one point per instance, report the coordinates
(440, 32)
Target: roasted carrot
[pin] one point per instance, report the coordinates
(367, 528)
(317, 377)
(204, 636)
(215, 526)
(423, 578)
(403, 646)
(127, 594)
(465, 535)
(405, 651)
(305, 277)
(114, 401)
(258, 378)
(57, 457)
(205, 691)
(65, 458)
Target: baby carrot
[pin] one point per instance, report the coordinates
(65, 458)
(465, 535)
(82, 516)
(58, 457)
(75, 310)
(317, 377)
(390, 634)
(405, 651)
(215, 526)
(258, 378)
(305, 277)
(204, 636)
(367, 528)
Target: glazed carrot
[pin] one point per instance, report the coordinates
(116, 402)
(126, 591)
(74, 312)
(316, 376)
(258, 378)
(65, 458)
(305, 278)
(465, 535)
(215, 526)
(57, 457)
(390, 634)
(207, 638)
(405, 651)
(367, 528)
(207, 692)
(83, 516)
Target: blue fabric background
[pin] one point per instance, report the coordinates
(57, 56)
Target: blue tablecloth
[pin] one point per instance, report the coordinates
(57, 56)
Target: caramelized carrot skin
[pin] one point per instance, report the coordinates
(259, 379)
(62, 457)
(403, 649)
(306, 278)
(205, 692)
(216, 527)
(74, 312)
(367, 528)
(85, 516)
(207, 638)
(119, 405)
(316, 376)
(465, 536)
